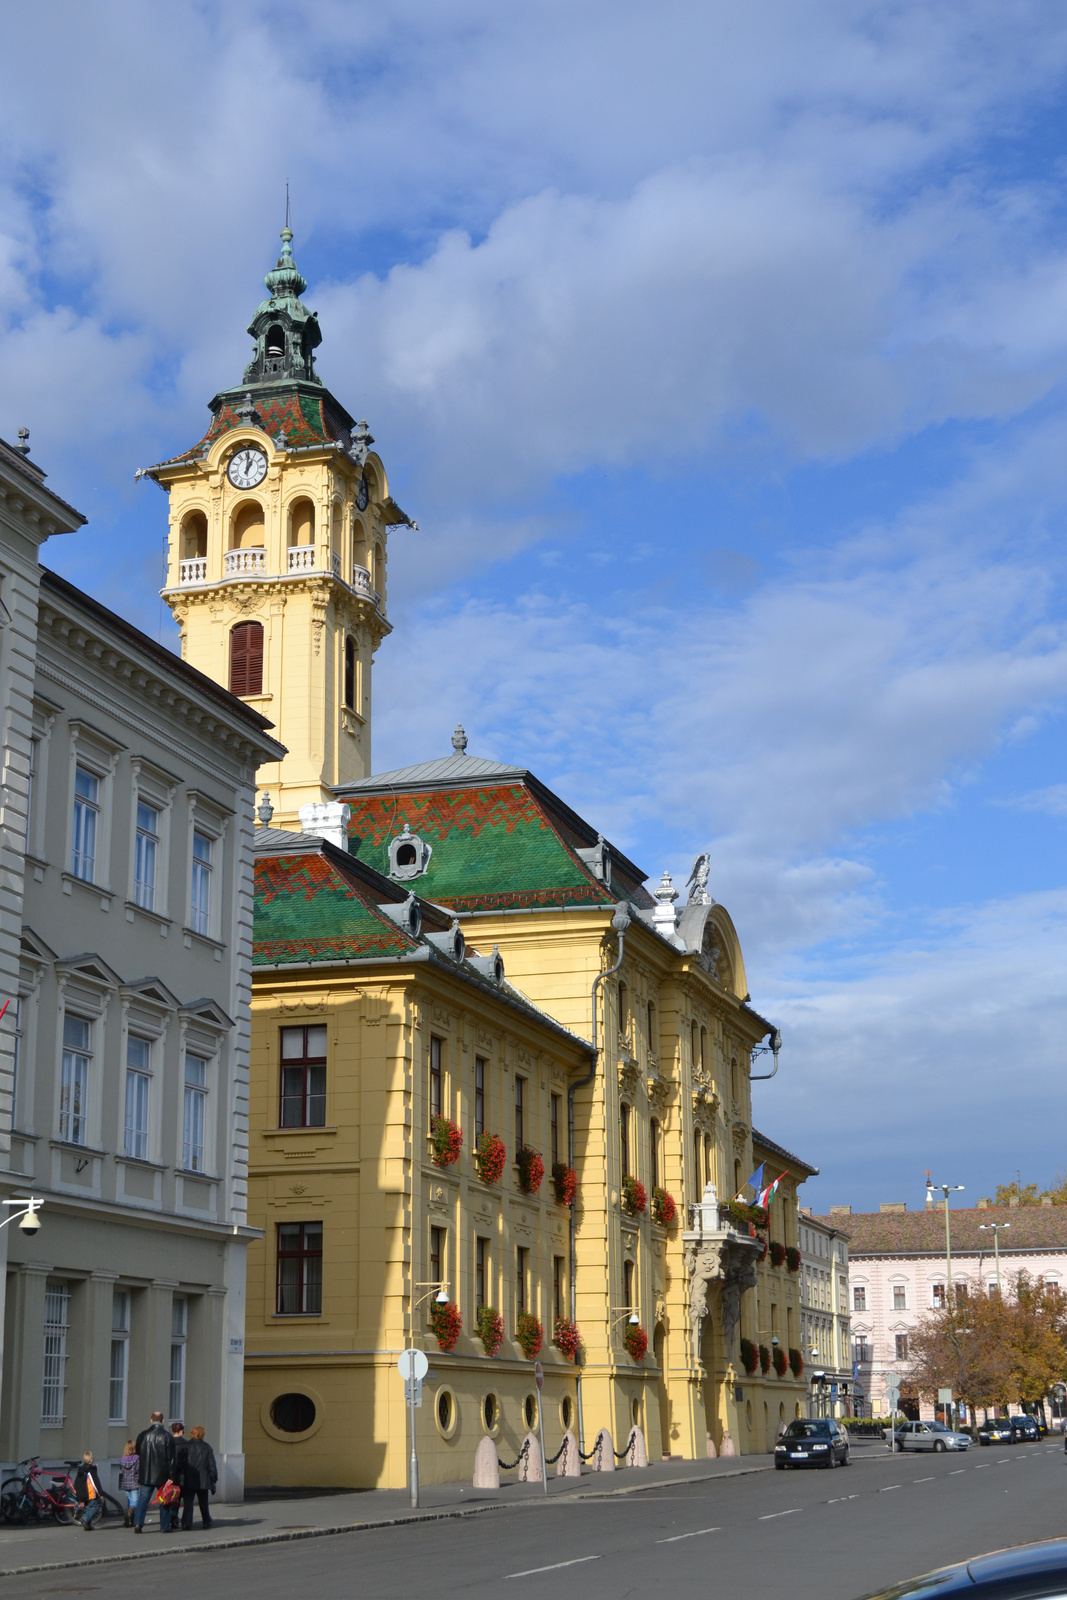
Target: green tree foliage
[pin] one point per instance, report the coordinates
(1028, 1194)
(992, 1349)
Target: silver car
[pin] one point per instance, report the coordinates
(930, 1436)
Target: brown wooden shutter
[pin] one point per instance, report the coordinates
(246, 658)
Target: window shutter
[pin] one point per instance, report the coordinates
(246, 658)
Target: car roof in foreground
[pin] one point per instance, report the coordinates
(1022, 1572)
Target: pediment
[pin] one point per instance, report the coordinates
(209, 1012)
(153, 992)
(91, 969)
(33, 947)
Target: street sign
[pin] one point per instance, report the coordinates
(413, 1364)
(539, 1375)
(413, 1391)
(944, 1397)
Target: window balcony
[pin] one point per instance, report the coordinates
(236, 562)
(193, 571)
(362, 585)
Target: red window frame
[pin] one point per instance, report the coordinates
(302, 1082)
(299, 1282)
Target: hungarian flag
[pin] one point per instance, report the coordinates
(765, 1196)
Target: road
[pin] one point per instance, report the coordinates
(824, 1535)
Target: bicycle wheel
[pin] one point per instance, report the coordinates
(10, 1495)
(65, 1508)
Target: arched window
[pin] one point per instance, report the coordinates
(302, 523)
(653, 1153)
(275, 341)
(378, 576)
(624, 1138)
(628, 1284)
(624, 1014)
(246, 658)
(698, 1146)
(194, 536)
(350, 674)
(248, 527)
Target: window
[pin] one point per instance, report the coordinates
(628, 1285)
(299, 1269)
(703, 1049)
(555, 1128)
(16, 1054)
(303, 1078)
(522, 1257)
(200, 897)
(138, 1079)
(734, 1079)
(698, 1151)
(436, 1095)
(520, 1095)
(651, 1016)
(653, 1153)
(624, 1139)
(624, 1013)
(438, 1263)
(179, 1328)
(74, 1081)
(86, 818)
(31, 791)
(902, 1346)
(861, 1350)
(120, 1349)
(350, 674)
(194, 1119)
(859, 1298)
(694, 1047)
(479, 1096)
(938, 1295)
(246, 658)
(708, 1168)
(144, 868)
(559, 1303)
(481, 1272)
(54, 1380)
(900, 1297)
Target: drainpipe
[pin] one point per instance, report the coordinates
(619, 922)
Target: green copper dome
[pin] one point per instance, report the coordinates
(285, 281)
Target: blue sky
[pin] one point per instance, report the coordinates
(721, 354)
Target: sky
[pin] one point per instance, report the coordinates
(721, 355)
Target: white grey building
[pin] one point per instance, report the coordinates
(125, 949)
(824, 1314)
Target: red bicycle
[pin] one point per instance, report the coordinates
(39, 1492)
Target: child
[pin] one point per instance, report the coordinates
(89, 1491)
(130, 1479)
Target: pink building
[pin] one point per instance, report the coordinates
(898, 1271)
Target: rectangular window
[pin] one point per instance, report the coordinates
(479, 1096)
(86, 819)
(437, 1098)
(628, 1285)
(520, 1095)
(653, 1153)
(900, 1298)
(437, 1255)
(138, 1080)
(624, 1139)
(698, 1156)
(522, 1256)
(859, 1299)
(651, 1013)
(350, 674)
(74, 1081)
(938, 1293)
(555, 1129)
(303, 1078)
(902, 1346)
(861, 1351)
(16, 1058)
(54, 1383)
(559, 1301)
(31, 792)
(145, 856)
(299, 1269)
(179, 1328)
(200, 897)
(120, 1349)
(195, 1114)
(481, 1272)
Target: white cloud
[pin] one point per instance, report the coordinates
(1051, 800)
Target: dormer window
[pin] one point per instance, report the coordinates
(409, 856)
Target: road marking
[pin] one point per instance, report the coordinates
(694, 1535)
(957, 1472)
(772, 1514)
(982, 1466)
(889, 1486)
(922, 1480)
(533, 1571)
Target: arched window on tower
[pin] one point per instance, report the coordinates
(276, 341)
(194, 536)
(301, 523)
(246, 658)
(350, 674)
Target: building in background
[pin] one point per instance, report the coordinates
(898, 1272)
(127, 832)
(824, 1315)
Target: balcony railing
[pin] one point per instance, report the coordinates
(301, 558)
(362, 585)
(193, 571)
(238, 561)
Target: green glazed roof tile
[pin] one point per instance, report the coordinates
(305, 910)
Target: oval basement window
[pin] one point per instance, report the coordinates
(529, 1411)
(293, 1413)
(489, 1412)
(444, 1411)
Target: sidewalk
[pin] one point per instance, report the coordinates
(309, 1514)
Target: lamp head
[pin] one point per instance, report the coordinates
(634, 1319)
(30, 1223)
(441, 1297)
(775, 1339)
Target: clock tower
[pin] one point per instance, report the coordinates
(276, 574)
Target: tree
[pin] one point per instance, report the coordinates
(1030, 1195)
(993, 1349)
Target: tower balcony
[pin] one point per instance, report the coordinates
(299, 558)
(237, 562)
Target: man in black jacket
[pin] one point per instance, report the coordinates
(183, 1514)
(156, 1452)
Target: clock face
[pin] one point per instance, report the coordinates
(247, 468)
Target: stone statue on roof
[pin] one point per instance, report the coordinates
(698, 881)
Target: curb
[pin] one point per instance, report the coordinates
(442, 1515)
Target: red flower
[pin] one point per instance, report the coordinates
(529, 1334)
(634, 1196)
(792, 1258)
(636, 1341)
(447, 1140)
(565, 1183)
(664, 1209)
(490, 1329)
(531, 1169)
(777, 1253)
(490, 1157)
(764, 1359)
(749, 1355)
(447, 1324)
(780, 1360)
(796, 1362)
(566, 1338)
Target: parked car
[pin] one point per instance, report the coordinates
(996, 1430)
(1023, 1427)
(1025, 1571)
(931, 1436)
(812, 1442)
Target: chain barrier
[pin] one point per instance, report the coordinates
(506, 1466)
(588, 1455)
(550, 1461)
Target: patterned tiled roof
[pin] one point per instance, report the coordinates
(307, 909)
(305, 419)
(782, 1153)
(897, 1233)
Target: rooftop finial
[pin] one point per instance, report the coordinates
(459, 739)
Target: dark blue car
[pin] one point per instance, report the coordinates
(1026, 1572)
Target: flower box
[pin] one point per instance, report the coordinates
(446, 1141)
(531, 1169)
(634, 1197)
(447, 1324)
(664, 1209)
(490, 1329)
(564, 1182)
(529, 1334)
(490, 1157)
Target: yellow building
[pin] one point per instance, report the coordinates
(656, 1123)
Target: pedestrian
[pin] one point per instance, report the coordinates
(183, 1513)
(130, 1479)
(89, 1491)
(202, 1474)
(155, 1453)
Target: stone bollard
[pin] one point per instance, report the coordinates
(636, 1454)
(603, 1452)
(712, 1452)
(530, 1470)
(486, 1465)
(728, 1446)
(570, 1462)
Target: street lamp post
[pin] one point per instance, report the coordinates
(994, 1228)
(438, 1292)
(946, 1190)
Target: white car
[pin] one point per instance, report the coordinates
(930, 1436)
